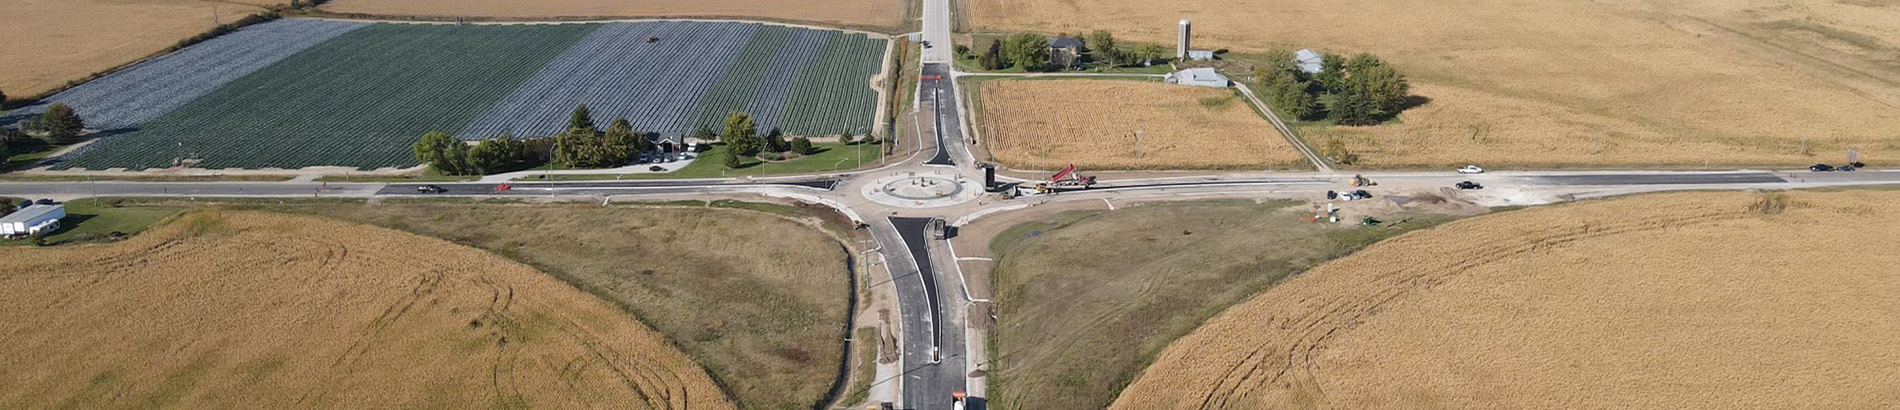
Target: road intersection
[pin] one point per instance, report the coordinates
(941, 346)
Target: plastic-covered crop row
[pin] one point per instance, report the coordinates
(836, 94)
(130, 97)
(359, 100)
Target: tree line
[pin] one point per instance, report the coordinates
(59, 125)
(1031, 52)
(584, 145)
(1360, 90)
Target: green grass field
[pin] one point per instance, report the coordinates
(88, 220)
(832, 157)
(1085, 300)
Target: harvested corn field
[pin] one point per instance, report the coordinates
(1528, 83)
(240, 309)
(51, 42)
(1047, 124)
(1693, 300)
(845, 12)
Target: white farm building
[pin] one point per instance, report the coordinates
(32, 219)
(1199, 77)
(1309, 61)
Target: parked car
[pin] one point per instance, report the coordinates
(430, 189)
(1471, 169)
(656, 168)
(1821, 168)
(1469, 185)
(46, 201)
(1355, 195)
(1845, 168)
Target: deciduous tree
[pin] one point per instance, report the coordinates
(741, 136)
(1103, 50)
(1029, 51)
(62, 124)
(801, 145)
(444, 153)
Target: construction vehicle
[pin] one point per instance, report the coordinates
(1359, 180)
(1068, 179)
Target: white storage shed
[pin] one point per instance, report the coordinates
(32, 219)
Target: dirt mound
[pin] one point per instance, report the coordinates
(1664, 301)
(221, 310)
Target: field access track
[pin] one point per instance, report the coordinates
(148, 90)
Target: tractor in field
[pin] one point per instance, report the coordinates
(1068, 179)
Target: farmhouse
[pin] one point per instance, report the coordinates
(1200, 77)
(1308, 61)
(1065, 52)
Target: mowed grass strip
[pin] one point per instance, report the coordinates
(757, 300)
(1085, 300)
(224, 309)
(358, 100)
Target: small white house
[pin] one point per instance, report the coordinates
(1309, 61)
(32, 219)
(1199, 77)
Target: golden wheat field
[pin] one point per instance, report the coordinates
(850, 12)
(1047, 124)
(1690, 300)
(1609, 83)
(258, 310)
(50, 42)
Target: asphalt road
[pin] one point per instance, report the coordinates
(933, 362)
(941, 93)
(598, 187)
(1658, 179)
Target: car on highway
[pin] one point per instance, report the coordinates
(1820, 167)
(656, 168)
(430, 189)
(1469, 185)
(1471, 169)
(1845, 168)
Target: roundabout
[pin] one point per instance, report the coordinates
(919, 190)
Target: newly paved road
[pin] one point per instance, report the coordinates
(940, 93)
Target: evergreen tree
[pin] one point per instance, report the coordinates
(1332, 73)
(992, 58)
(775, 141)
(581, 119)
(704, 134)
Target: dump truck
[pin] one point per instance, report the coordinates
(32, 219)
(1068, 179)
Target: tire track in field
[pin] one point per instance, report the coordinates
(1288, 326)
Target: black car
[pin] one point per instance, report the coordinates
(46, 201)
(656, 168)
(1845, 168)
(1469, 185)
(430, 189)
(1821, 168)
